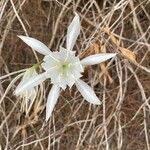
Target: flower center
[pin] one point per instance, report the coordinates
(64, 68)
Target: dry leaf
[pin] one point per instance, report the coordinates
(103, 49)
(124, 51)
(115, 40)
(93, 49)
(128, 54)
(112, 37)
(104, 72)
(104, 69)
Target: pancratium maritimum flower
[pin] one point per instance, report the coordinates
(63, 68)
(28, 95)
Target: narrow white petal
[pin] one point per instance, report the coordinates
(97, 58)
(30, 72)
(35, 45)
(52, 100)
(87, 92)
(29, 84)
(73, 32)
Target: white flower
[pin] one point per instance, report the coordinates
(64, 68)
(28, 95)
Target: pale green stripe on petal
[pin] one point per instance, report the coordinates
(87, 92)
(36, 45)
(29, 84)
(97, 58)
(52, 100)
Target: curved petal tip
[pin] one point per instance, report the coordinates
(35, 44)
(87, 92)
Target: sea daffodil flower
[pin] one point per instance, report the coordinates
(28, 95)
(64, 68)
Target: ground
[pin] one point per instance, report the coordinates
(122, 122)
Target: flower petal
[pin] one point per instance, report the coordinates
(52, 100)
(97, 58)
(30, 72)
(73, 32)
(29, 84)
(35, 45)
(87, 92)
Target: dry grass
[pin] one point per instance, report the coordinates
(122, 122)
